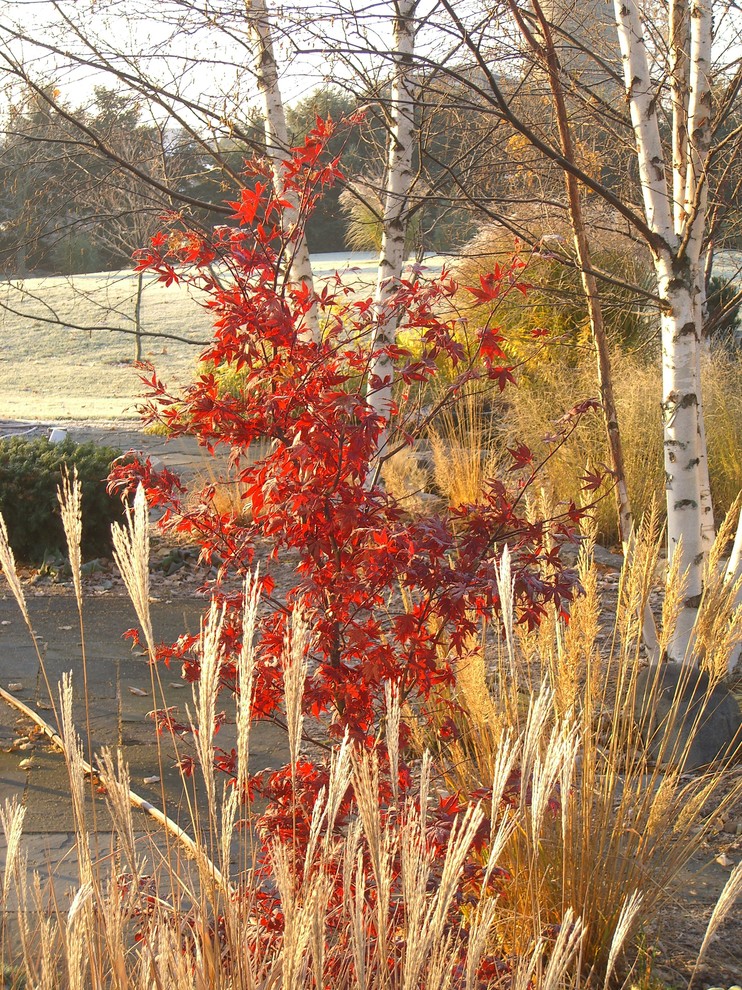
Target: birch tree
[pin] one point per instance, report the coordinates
(278, 144)
(675, 209)
(397, 185)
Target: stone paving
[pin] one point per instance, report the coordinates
(119, 697)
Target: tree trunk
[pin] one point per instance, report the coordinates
(700, 112)
(680, 407)
(277, 142)
(679, 48)
(708, 525)
(397, 184)
(138, 319)
(676, 253)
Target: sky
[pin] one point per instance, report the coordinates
(197, 59)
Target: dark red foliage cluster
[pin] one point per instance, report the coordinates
(312, 488)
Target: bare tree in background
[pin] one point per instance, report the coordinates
(125, 211)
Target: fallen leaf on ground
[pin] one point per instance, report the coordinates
(15, 686)
(151, 780)
(724, 860)
(28, 764)
(138, 692)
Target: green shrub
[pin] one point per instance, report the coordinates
(555, 298)
(30, 471)
(230, 380)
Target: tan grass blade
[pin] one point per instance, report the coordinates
(672, 605)
(380, 842)
(7, 560)
(506, 590)
(393, 716)
(327, 806)
(727, 899)
(69, 496)
(297, 911)
(205, 696)
(76, 770)
(626, 919)
(479, 934)
(340, 774)
(12, 815)
(246, 678)
(718, 631)
(353, 879)
(564, 952)
(76, 938)
(115, 774)
(555, 766)
(131, 553)
(295, 668)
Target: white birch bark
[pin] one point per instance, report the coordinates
(397, 184)
(696, 208)
(674, 254)
(277, 143)
(733, 573)
(679, 49)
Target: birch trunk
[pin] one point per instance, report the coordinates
(733, 573)
(679, 49)
(277, 143)
(680, 406)
(397, 184)
(696, 208)
(676, 256)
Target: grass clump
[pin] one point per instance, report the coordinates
(608, 830)
(555, 299)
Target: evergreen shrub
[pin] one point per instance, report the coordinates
(30, 471)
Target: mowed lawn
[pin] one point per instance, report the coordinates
(51, 370)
